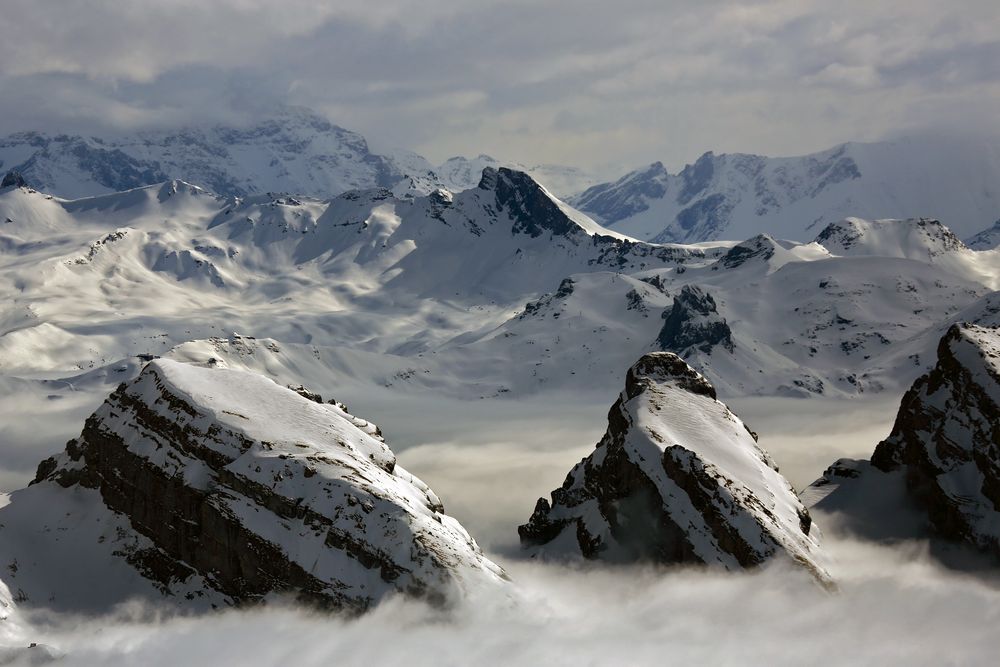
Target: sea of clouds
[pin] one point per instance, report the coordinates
(489, 461)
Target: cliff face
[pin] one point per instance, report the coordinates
(694, 323)
(259, 489)
(677, 478)
(946, 439)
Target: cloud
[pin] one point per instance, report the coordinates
(894, 607)
(656, 80)
(852, 76)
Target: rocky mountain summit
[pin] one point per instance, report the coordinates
(13, 179)
(205, 482)
(694, 322)
(677, 478)
(734, 195)
(942, 458)
(292, 149)
(890, 238)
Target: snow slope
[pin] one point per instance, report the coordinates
(217, 486)
(953, 178)
(292, 150)
(444, 291)
(677, 478)
(295, 150)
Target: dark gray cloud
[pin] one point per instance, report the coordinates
(562, 81)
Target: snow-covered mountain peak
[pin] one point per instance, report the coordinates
(765, 251)
(938, 468)
(627, 196)
(919, 238)
(761, 247)
(656, 369)
(976, 349)
(677, 478)
(211, 485)
(293, 150)
(533, 209)
(461, 173)
(733, 195)
(987, 239)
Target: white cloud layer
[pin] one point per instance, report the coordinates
(579, 81)
(893, 607)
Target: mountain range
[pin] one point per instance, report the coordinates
(294, 150)
(720, 196)
(733, 195)
(188, 333)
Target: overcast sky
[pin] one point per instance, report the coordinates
(621, 82)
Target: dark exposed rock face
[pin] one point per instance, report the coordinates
(13, 179)
(533, 211)
(760, 246)
(535, 307)
(946, 439)
(694, 323)
(261, 489)
(677, 478)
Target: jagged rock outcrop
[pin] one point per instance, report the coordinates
(532, 210)
(693, 322)
(260, 489)
(761, 246)
(677, 478)
(946, 439)
(13, 179)
(916, 238)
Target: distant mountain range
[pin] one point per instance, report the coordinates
(955, 179)
(295, 151)
(298, 151)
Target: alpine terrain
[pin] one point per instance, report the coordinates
(937, 474)
(210, 486)
(737, 195)
(677, 478)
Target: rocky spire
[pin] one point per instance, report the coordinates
(677, 478)
(13, 179)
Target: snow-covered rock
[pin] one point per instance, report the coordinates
(738, 195)
(220, 486)
(677, 478)
(694, 322)
(941, 461)
(294, 150)
(920, 238)
(461, 173)
(988, 239)
(13, 179)
(429, 292)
